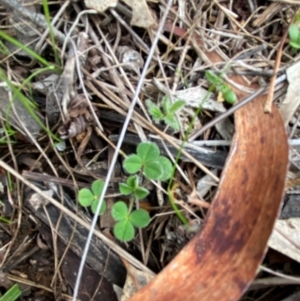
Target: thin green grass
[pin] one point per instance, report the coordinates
(29, 105)
(26, 103)
(27, 50)
(52, 37)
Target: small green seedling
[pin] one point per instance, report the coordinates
(126, 220)
(124, 216)
(90, 197)
(132, 187)
(168, 112)
(218, 83)
(149, 163)
(294, 34)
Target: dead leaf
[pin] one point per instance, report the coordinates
(100, 5)
(292, 98)
(78, 119)
(194, 98)
(222, 260)
(131, 58)
(285, 238)
(141, 15)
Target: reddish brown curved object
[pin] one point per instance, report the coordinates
(221, 261)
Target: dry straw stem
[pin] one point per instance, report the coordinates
(268, 104)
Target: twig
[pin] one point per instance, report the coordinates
(268, 104)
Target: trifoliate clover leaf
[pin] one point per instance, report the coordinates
(132, 164)
(133, 182)
(124, 230)
(139, 218)
(119, 211)
(147, 151)
(85, 197)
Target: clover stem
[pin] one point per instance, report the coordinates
(131, 202)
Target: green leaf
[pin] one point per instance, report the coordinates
(25, 48)
(294, 33)
(132, 164)
(166, 104)
(124, 230)
(172, 122)
(156, 114)
(295, 45)
(176, 106)
(125, 189)
(97, 187)
(152, 170)
(154, 110)
(147, 151)
(102, 208)
(229, 96)
(213, 78)
(223, 88)
(119, 211)
(140, 218)
(166, 167)
(85, 197)
(141, 192)
(12, 294)
(133, 182)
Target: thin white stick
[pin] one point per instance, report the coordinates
(116, 153)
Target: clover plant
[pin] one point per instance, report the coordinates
(218, 83)
(167, 113)
(146, 162)
(90, 197)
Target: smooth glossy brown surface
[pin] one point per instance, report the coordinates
(221, 261)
